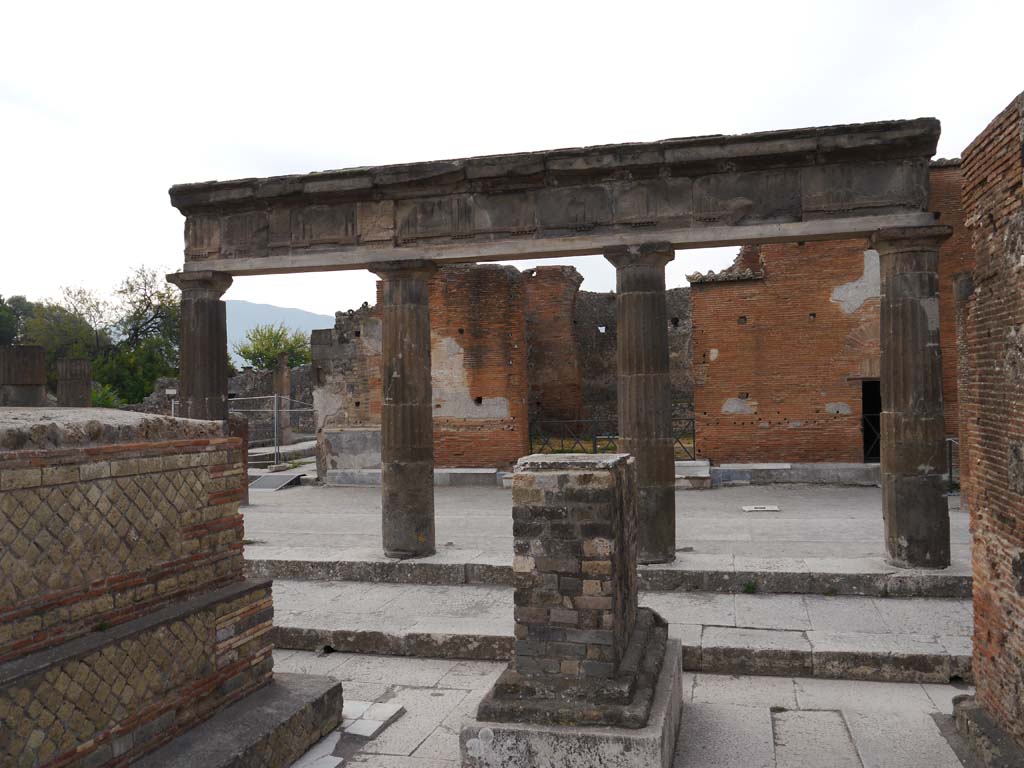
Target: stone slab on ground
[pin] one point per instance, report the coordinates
(271, 727)
(728, 721)
(496, 745)
(989, 744)
(825, 540)
(919, 639)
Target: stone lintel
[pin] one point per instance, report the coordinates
(909, 238)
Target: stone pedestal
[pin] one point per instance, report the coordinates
(74, 383)
(22, 376)
(645, 391)
(914, 477)
(594, 681)
(203, 387)
(283, 390)
(407, 429)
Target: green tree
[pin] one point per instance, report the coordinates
(8, 323)
(264, 343)
(61, 333)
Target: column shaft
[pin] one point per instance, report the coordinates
(407, 428)
(914, 480)
(203, 364)
(645, 393)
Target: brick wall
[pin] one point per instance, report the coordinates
(478, 362)
(783, 340)
(124, 615)
(993, 198)
(555, 379)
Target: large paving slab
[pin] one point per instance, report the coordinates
(727, 721)
(823, 540)
(920, 639)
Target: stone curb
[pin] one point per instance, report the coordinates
(781, 653)
(652, 578)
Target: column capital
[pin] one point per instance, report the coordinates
(201, 284)
(656, 254)
(396, 270)
(906, 238)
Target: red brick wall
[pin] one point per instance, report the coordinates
(993, 198)
(478, 361)
(782, 365)
(556, 385)
(792, 367)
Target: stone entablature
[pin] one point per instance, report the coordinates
(577, 200)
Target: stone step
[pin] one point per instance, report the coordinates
(264, 455)
(443, 476)
(871, 577)
(272, 727)
(901, 640)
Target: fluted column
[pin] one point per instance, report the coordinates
(203, 359)
(645, 393)
(914, 480)
(407, 428)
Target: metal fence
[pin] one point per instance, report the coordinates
(600, 436)
(953, 462)
(271, 412)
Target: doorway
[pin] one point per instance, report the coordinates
(871, 419)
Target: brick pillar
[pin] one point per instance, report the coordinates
(645, 391)
(74, 382)
(203, 387)
(22, 376)
(407, 428)
(914, 479)
(581, 643)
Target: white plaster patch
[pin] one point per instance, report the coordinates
(451, 388)
(712, 354)
(739, 405)
(795, 424)
(838, 409)
(851, 296)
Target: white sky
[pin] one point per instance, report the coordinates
(103, 106)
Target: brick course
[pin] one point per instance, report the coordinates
(993, 197)
(779, 359)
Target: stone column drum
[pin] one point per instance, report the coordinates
(914, 480)
(645, 391)
(203, 387)
(22, 376)
(74, 382)
(283, 389)
(407, 426)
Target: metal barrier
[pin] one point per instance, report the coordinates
(600, 436)
(953, 462)
(276, 406)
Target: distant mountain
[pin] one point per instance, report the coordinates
(243, 315)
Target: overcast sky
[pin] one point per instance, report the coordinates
(103, 106)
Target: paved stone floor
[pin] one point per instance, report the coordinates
(728, 722)
(475, 524)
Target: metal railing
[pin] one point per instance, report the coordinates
(274, 409)
(600, 436)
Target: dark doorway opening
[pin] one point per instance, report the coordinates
(871, 420)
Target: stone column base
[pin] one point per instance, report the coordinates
(990, 743)
(498, 745)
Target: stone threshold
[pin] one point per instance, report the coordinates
(17, 669)
(712, 649)
(271, 727)
(867, 577)
(990, 744)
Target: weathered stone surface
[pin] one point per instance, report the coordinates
(74, 382)
(22, 376)
(407, 437)
(644, 392)
(203, 387)
(563, 201)
(993, 746)
(913, 423)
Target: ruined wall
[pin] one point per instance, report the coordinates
(784, 338)
(123, 609)
(597, 351)
(993, 196)
(553, 366)
(478, 366)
